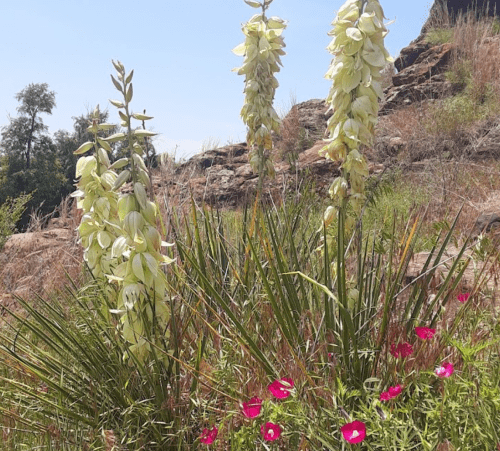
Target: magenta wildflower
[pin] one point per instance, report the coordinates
(463, 297)
(445, 370)
(280, 388)
(208, 436)
(385, 396)
(395, 391)
(425, 333)
(251, 409)
(354, 432)
(270, 431)
(391, 393)
(401, 350)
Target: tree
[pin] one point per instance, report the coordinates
(35, 99)
(29, 160)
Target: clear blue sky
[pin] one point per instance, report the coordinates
(181, 55)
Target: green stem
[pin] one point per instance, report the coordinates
(129, 133)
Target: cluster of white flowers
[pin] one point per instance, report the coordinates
(262, 50)
(118, 230)
(95, 195)
(359, 57)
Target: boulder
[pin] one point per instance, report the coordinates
(427, 64)
(410, 53)
(487, 222)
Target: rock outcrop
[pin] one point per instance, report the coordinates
(423, 79)
(224, 177)
(421, 66)
(450, 10)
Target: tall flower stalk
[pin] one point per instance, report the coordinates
(359, 56)
(142, 298)
(118, 230)
(262, 50)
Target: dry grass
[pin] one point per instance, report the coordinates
(39, 261)
(456, 127)
(476, 43)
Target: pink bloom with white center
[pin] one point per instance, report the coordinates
(280, 388)
(445, 370)
(354, 432)
(270, 431)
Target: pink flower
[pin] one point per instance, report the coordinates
(354, 432)
(424, 332)
(385, 396)
(401, 350)
(445, 370)
(270, 431)
(280, 388)
(391, 393)
(395, 391)
(209, 436)
(251, 409)
(463, 297)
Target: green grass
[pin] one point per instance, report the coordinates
(254, 297)
(437, 36)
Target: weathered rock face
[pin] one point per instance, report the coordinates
(452, 9)
(224, 177)
(313, 117)
(428, 63)
(443, 12)
(423, 79)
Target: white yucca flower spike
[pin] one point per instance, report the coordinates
(359, 56)
(99, 201)
(118, 231)
(262, 51)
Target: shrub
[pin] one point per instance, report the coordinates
(10, 212)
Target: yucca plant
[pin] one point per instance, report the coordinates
(65, 379)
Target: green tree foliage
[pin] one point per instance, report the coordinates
(10, 213)
(67, 142)
(29, 157)
(34, 100)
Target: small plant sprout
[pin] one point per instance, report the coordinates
(262, 50)
(359, 57)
